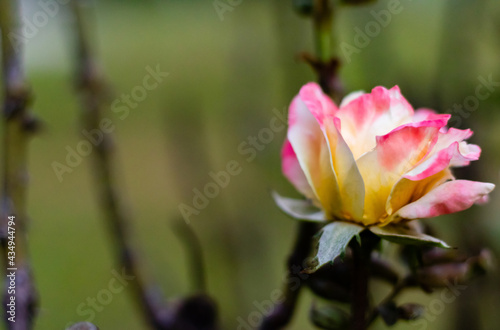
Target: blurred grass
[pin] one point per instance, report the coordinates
(225, 79)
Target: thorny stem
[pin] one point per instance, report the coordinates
(18, 125)
(92, 89)
(326, 63)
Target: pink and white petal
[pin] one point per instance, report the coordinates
(452, 135)
(349, 178)
(395, 154)
(293, 172)
(451, 156)
(319, 104)
(422, 114)
(350, 97)
(449, 197)
(312, 151)
(405, 146)
(483, 200)
(470, 152)
(373, 114)
(406, 191)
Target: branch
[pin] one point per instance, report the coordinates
(92, 89)
(196, 312)
(18, 126)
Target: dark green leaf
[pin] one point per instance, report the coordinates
(332, 242)
(407, 234)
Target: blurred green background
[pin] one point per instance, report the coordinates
(225, 78)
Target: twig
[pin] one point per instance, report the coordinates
(92, 89)
(194, 312)
(18, 126)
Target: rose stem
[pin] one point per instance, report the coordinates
(361, 255)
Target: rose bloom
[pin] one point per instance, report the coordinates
(374, 160)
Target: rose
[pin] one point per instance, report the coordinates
(375, 161)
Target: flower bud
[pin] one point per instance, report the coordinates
(438, 276)
(439, 256)
(391, 313)
(329, 317)
(330, 290)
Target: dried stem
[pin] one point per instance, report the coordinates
(17, 129)
(93, 89)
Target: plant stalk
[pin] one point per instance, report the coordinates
(92, 89)
(361, 256)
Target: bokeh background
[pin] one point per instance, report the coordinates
(225, 78)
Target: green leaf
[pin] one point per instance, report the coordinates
(299, 209)
(332, 242)
(407, 234)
